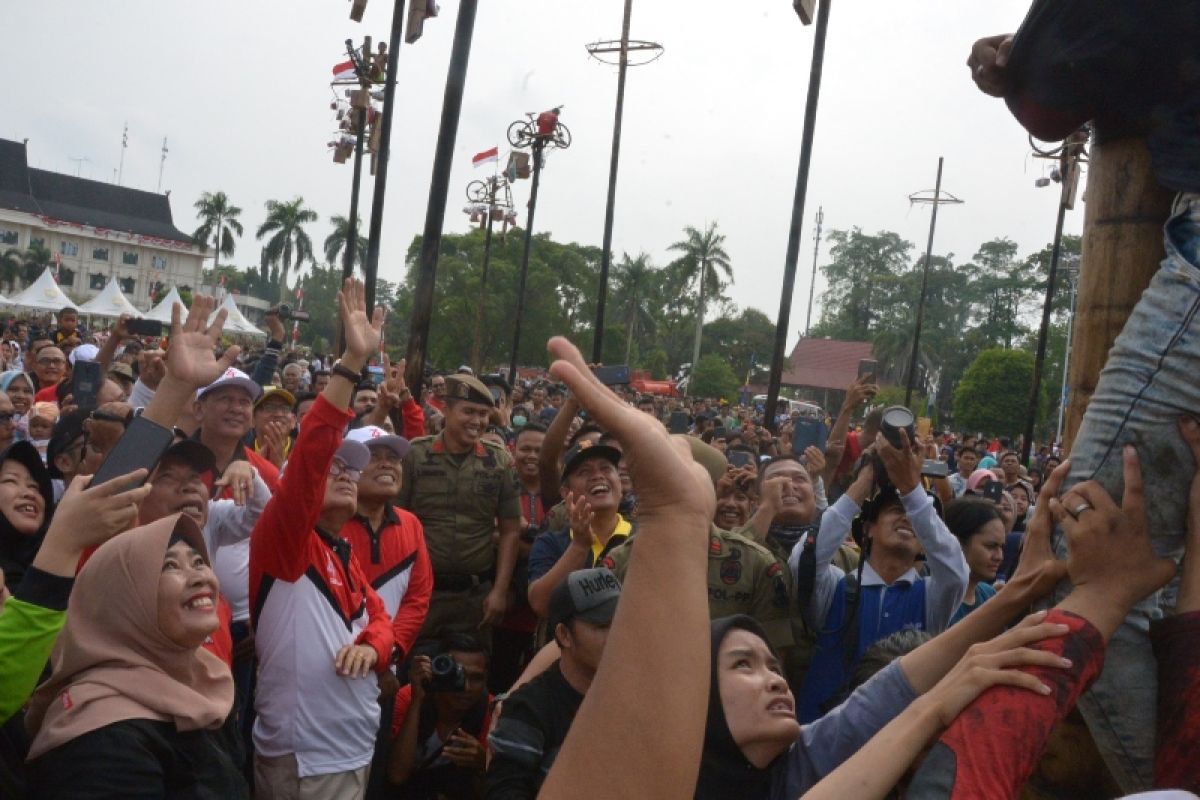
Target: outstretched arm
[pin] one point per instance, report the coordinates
(655, 674)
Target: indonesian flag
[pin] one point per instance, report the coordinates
(344, 71)
(486, 157)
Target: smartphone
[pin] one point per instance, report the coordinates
(142, 445)
(935, 469)
(678, 423)
(86, 379)
(740, 458)
(144, 327)
(867, 367)
(993, 490)
(808, 432)
(376, 373)
(924, 427)
(616, 375)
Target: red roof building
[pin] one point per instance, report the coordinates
(824, 364)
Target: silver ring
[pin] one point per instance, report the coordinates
(1079, 509)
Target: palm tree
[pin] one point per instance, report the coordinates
(336, 241)
(38, 259)
(286, 220)
(10, 267)
(218, 225)
(703, 255)
(635, 280)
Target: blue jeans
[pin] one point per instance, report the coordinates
(1151, 378)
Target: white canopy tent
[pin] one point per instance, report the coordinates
(111, 302)
(162, 311)
(236, 323)
(43, 294)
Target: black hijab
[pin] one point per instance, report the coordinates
(724, 771)
(18, 549)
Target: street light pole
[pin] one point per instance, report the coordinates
(812, 286)
(792, 255)
(912, 361)
(360, 117)
(374, 235)
(439, 187)
(539, 145)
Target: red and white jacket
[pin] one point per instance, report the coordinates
(396, 563)
(309, 598)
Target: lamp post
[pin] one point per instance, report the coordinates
(939, 198)
(1069, 155)
(538, 134)
(491, 195)
(792, 256)
(598, 50)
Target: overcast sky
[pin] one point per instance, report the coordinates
(712, 129)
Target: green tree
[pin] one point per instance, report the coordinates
(713, 377)
(285, 223)
(745, 341)
(634, 280)
(862, 277)
(704, 260)
(335, 242)
(993, 395)
(218, 225)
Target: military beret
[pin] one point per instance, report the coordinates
(469, 388)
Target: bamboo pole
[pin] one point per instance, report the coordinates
(1122, 249)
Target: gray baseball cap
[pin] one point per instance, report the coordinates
(587, 594)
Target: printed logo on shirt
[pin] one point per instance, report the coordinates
(331, 572)
(731, 571)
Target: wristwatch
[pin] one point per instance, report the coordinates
(345, 372)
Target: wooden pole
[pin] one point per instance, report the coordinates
(1122, 249)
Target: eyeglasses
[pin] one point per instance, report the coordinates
(339, 468)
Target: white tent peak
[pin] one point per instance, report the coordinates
(43, 294)
(111, 302)
(236, 322)
(162, 310)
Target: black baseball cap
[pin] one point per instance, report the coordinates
(67, 429)
(587, 594)
(585, 449)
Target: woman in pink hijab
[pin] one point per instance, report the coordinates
(134, 703)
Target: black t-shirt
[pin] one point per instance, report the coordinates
(533, 725)
(1133, 66)
(135, 759)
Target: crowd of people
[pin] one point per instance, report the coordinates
(232, 574)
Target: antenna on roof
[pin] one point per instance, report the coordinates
(161, 163)
(79, 163)
(124, 144)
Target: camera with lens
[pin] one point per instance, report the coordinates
(447, 674)
(284, 311)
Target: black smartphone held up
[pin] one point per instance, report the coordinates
(935, 469)
(867, 367)
(993, 490)
(615, 375)
(86, 379)
(142, 445)
(144, 327)
(740, 458)
(679, 422)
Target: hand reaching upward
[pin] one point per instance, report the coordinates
(190, 359)
(363, 330)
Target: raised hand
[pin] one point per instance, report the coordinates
(363, 329)
(88, 516)
(814, 461)
(580, 512)
(151, 367)
(1112, 563)
(1038, 570)
(996, 663)
(190, 360)
(988, 62)
(859, 392)
(671, 485)
(903, 464)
